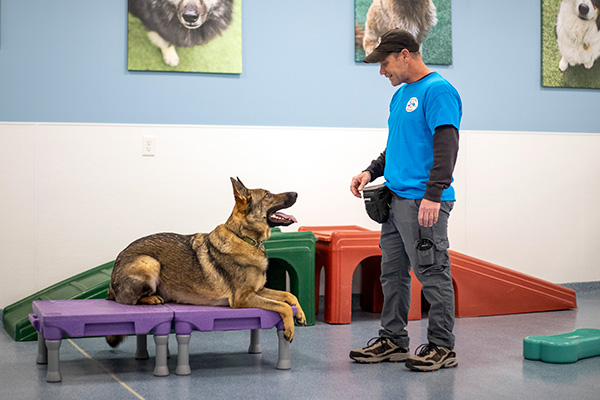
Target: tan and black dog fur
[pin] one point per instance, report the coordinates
(224, 267)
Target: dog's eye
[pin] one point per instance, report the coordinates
(268, 195)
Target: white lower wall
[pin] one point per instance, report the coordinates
(74, 195)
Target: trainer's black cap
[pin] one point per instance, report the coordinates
(393, 41)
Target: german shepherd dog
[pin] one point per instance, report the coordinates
(184, 23)
(224, 267)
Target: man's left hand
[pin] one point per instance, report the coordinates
(428, 213)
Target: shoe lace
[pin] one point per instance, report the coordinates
(376, 339)
(426, 348)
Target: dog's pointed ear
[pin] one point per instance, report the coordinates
(239, 190)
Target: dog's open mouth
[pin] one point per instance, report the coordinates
(280, 219)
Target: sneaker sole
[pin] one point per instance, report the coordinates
(395, 358)
(451, 363)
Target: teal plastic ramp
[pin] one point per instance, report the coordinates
(91, 284)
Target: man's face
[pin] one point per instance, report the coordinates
(394, 68)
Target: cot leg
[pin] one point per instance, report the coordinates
(183, 355)
(53, 374)
(141, 351)
(160, 367)
(42, 357)
(283, 360)
(254, 342)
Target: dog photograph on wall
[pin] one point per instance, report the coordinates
(430, 21)
(185, 36)
(571, 43)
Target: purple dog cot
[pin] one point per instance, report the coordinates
(188, 318)
(57, 319)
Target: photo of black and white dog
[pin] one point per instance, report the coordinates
(181, 23)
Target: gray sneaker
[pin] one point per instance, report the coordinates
(380, 349)
(429, 357)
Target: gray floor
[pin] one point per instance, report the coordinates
(491, 365)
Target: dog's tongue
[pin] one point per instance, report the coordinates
(283, 216)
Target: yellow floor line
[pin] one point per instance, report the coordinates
(107, 371)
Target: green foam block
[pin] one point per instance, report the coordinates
(563, 348)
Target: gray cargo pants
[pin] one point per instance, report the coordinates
(399, 239)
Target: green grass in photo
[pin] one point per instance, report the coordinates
(437, 47)
(574, 77)
(223, 54)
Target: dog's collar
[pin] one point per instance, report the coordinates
(254, 242)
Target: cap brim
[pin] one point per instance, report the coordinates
(376, 56)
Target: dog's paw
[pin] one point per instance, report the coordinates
(288, 334)
(152, 300)
(170, 56)
(300, 318)
(563, 64)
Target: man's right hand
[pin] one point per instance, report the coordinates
(359, 182)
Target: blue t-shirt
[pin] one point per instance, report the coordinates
(416, 110)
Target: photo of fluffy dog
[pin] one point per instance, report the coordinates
(173, 26)
(414, 16)
(578, 33)
(419, 17)
(571, 43)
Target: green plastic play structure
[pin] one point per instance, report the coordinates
(91, 284)
(293, 252)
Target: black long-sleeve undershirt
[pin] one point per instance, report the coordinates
(445, 151)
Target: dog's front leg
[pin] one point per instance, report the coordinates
(253, 300)
(288, 298)
(168, 51)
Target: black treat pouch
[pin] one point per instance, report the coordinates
(377, 202)
(425, 251)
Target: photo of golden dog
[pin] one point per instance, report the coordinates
(224, 267)
(414, 16)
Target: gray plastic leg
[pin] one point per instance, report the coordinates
(254, 342)
(283, 360)
(42, 357)
(183, 355)
(161, 368)
(53, 374)
(141, 351)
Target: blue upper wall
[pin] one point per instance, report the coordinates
(66, 61)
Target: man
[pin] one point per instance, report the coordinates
(417, 164)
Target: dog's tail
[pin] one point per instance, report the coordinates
(114, 340)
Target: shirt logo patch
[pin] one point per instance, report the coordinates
(412, 104)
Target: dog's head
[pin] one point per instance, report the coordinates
(586, 9)
(256, 211)
(193, 13)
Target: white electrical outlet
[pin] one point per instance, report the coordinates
(148, 146)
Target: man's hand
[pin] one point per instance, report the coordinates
(359, 182)
(428, 213)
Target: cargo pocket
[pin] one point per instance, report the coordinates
(425, 252)
(434, 259)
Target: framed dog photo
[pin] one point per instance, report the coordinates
(571, 43)
(430, 21)
(185, 36)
